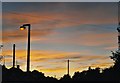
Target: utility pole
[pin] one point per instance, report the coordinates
(13, 55)
(68, 67)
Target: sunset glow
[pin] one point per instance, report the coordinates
(84, 33)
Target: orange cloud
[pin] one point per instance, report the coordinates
(19, 36)
(37, 55)
(86, 39)
(44, 24)
(56, 61)
(95, 39)
(111, 47)
(40, 56)
(55, 20)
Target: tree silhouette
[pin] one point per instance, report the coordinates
(108, 74)
(66, 78)
(116, 58)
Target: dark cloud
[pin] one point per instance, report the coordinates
(8, 56)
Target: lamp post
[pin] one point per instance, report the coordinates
(28, 47)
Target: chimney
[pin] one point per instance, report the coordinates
(18, 66)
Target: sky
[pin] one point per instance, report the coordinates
(59, 0)
(83, 32)
(0, 18)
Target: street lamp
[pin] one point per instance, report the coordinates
(23, 27)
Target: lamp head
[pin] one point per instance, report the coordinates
(22, 27)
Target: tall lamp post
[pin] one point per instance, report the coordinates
(28, 47)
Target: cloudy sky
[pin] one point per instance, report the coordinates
(59, 0)
(85, 33)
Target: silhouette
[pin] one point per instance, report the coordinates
(13, 55)
(28, 46)
(68, 67)
(108, 74)
(66, 78)
(17, 75)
